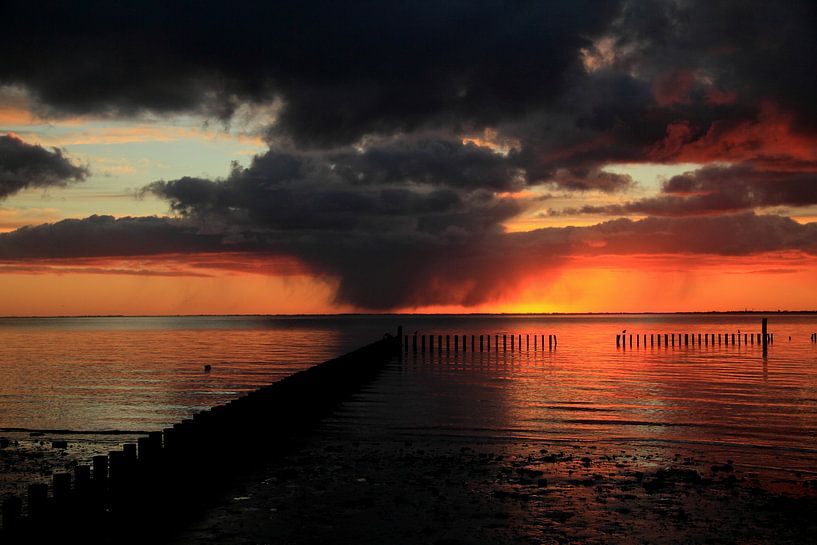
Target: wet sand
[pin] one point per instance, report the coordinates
(332, 490)
(30, 457)
(377, 472)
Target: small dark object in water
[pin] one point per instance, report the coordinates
(208, 368)
(59, 444)
(4, 442)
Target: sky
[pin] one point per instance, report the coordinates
(441, 156)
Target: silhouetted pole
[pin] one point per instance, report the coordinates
(764, 335)
(618, 340)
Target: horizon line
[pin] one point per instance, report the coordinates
(397, 314)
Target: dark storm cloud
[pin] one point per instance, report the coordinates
(346, 192)
(25, 165)
(388, 269)
(718, 189)
(106, 236)
(368, 178)
(343, 69)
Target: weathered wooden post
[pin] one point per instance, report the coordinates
(686, 339)
(659, 340)
(423, 344)
(764, 331)
(488, 343)
(527, 342)
(61, 486)
(431, 344)
(414, 343)
(447, 344)
(504, 343)
(456, 343)
(652, 340)
(100, 464)
(480, 343)
(12, 512)
(618, 340)
(472, 344)
(399, 335)
(37, 500)
(82, 482)
(534, 343)
(496, 343)
(513, 340)
(631, 340)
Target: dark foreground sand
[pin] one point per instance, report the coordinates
(30, 457)
(352, 490)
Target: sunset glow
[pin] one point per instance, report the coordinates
(601, 171)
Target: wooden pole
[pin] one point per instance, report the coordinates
(618, 341)
(12, 512)
(37, 500)
(764, 331)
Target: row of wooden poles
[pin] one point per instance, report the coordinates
(478, 343)
(764, 338)
(147, 486)
(685, 339)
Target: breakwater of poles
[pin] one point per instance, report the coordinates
(141, 492)
(645, 340)
(418, 343)
(764, 339)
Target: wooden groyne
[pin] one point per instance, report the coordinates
(419, 343)
(140, 493)
(651, 340)
(645, 340)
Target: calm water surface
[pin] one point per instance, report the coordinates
(145, 373)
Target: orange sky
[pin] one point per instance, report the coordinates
(308, 179)
(654, 283)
